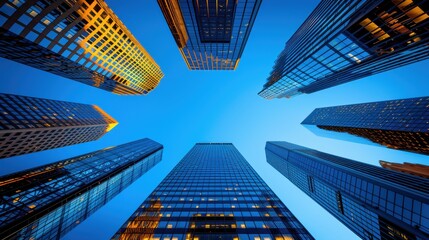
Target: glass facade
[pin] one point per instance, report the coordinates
(373, 202)
(48, 201)
(399, 124)
(29, 124)
(81, 40)
(344, 41)
(213, 193)
(211, 35)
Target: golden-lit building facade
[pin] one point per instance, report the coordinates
(410, 168)
(398, 124)
(29, 124)
(78, 39)
(342, 41)
(212, 34)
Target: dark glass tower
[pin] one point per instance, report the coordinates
(213, 193)
(211, 35)
(342, 41)
(399, 124)
(48, 201)
(373, 202)
(29, 124)
(78, 39)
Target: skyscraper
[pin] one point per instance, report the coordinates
(399, 124)
(212, 34)
(81, 40)
(29, 124)
(48, 201)
(213, 193)
(342, 41)
(410, 168)
(373, 202)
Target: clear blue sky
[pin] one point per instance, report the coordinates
(209, 106)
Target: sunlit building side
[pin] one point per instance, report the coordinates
(342, 41)
(78, 39)
(373, 202)
(213, 193)
(48, 201)
(211, 35)
(29, 124)
(409, 168)
(398, 124)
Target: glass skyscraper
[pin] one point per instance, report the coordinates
(212, 34)
(81, 40)
(373, 202)
(213, 193)
(48, 201)
(399, 124)
(342, 41)
(29, 124)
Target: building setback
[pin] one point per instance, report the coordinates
(373, 202)
(399, 124)
(212, 34)
(29, 124)
(48, 201)
(213, 193)
(342, 41)
(81, 40)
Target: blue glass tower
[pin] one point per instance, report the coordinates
(48, 201)
(373, 202)
(213, 193)
(399, 124)
(342, 41)
(211, 35)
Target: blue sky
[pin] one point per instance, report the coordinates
(210, 106)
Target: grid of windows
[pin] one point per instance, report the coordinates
(375, 203)
(48, 201)
(29, 124)
(341, 42)
(217, 31)
(81, 40)
(399, 124)
(213, 193)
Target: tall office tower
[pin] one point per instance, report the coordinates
(342, 41)
(210, 34)
(213, 193)
(399, 124)
(48, 201)
(410, 168)
(29, 124)
(78, 39)
(373, 202)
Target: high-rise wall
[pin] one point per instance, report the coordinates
(213, 193)
(78, 39)
(373, 202)
(342, 41)
(29, 124)
(48, 201)
(211, 35)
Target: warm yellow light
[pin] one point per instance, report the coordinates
(111, 122)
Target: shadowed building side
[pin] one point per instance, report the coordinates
(29, 124)
(81, 40)
(48, 201)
